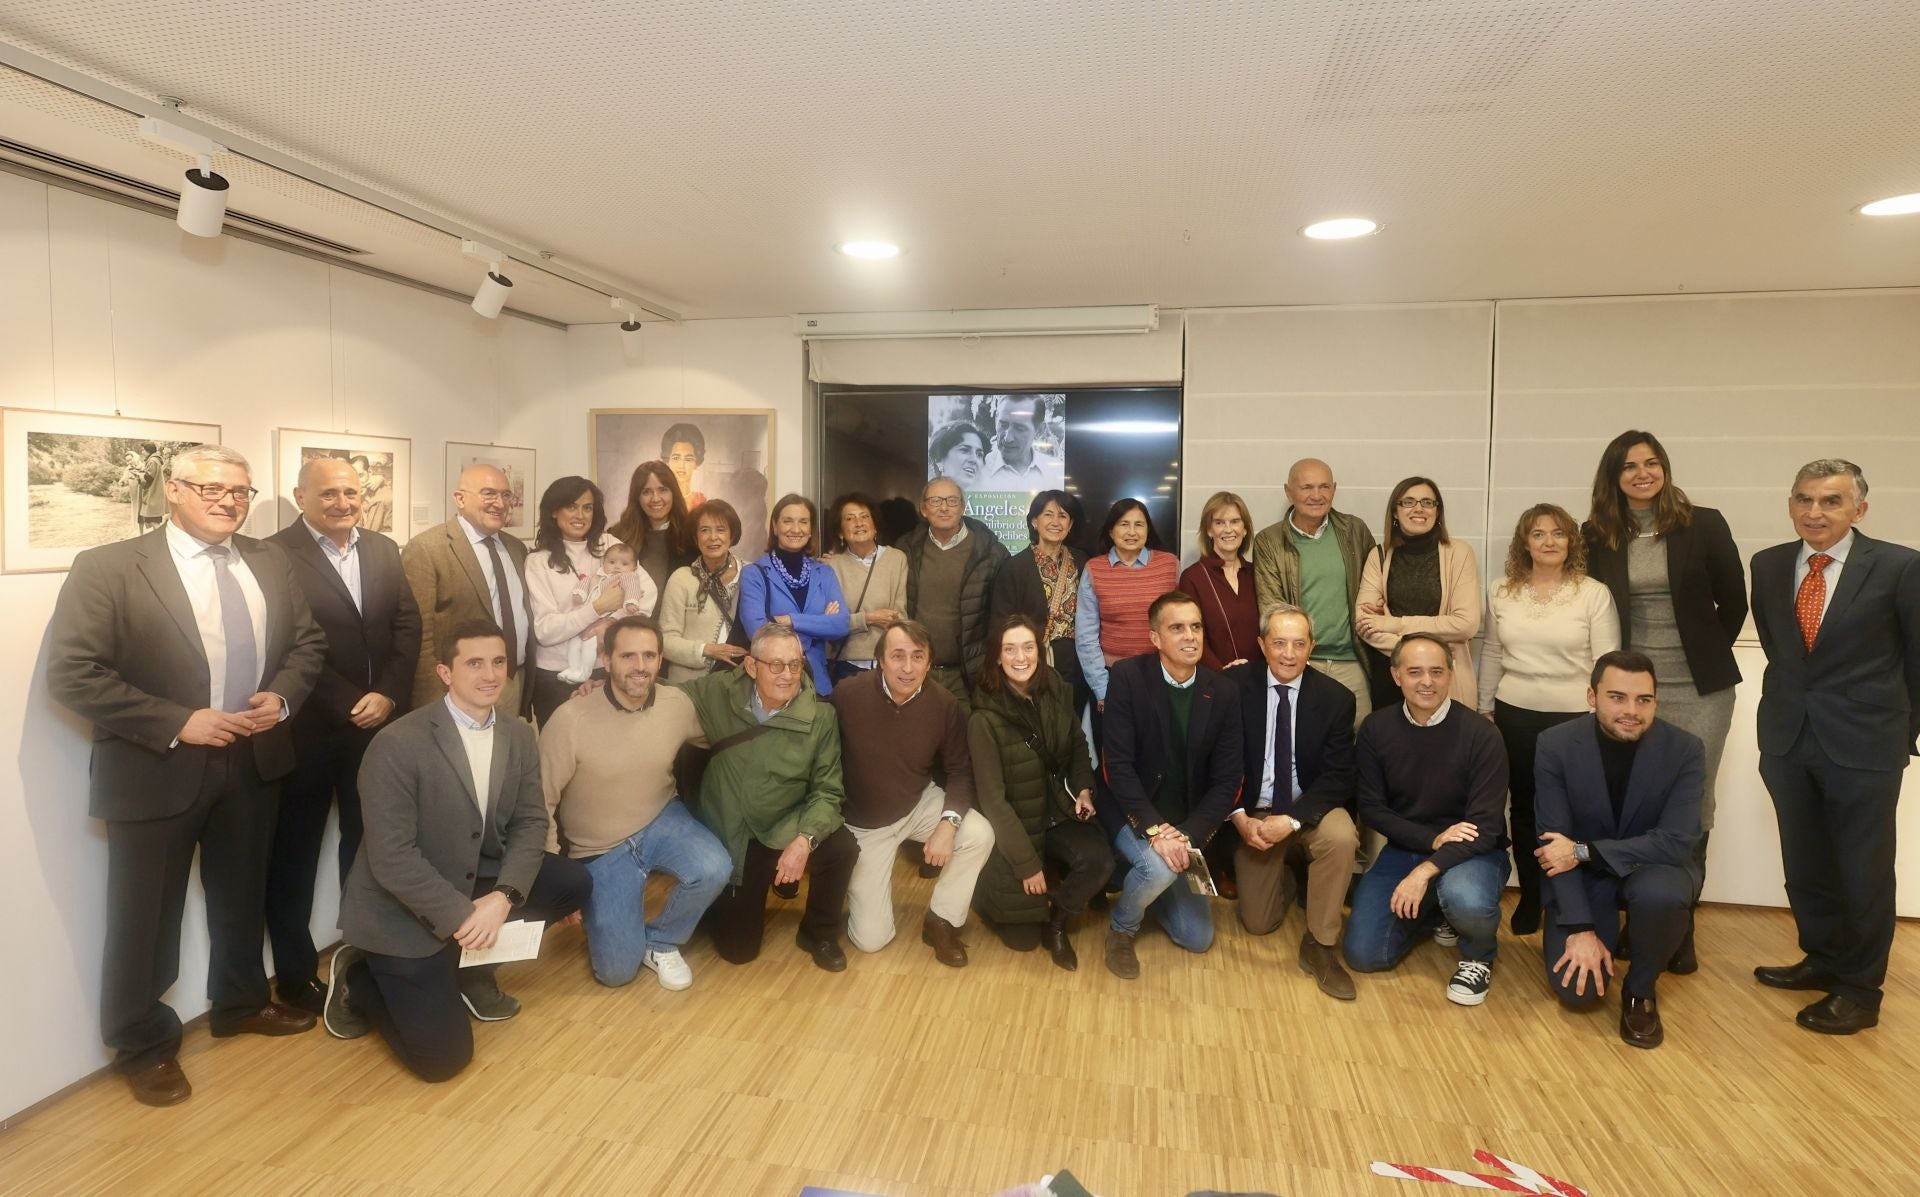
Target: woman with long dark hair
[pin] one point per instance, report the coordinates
(1033, 780)
(1129, 569)
(1042, 582)
(1422, 580)
(569, 540)
(790, 585)
(655, 524)
(1222, 583)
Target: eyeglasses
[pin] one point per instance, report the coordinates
(776, 668)
(488, 496)
(1411, 504)
(213, 492)
(943, 502)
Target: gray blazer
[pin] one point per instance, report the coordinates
(425, 843)
(125, 652)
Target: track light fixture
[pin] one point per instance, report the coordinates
(492, 295)
(203, 194)
(629, 309)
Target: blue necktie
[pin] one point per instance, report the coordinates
(243, 665)
(1282, 751)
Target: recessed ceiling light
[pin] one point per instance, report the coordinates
(1898, 205)
(869, 249)
(1340, 229)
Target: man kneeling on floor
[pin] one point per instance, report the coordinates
(1433, 780)
(1618, 806)
(456, 827)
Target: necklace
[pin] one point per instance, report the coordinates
(806, 570)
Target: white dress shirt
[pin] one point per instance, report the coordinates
(345, 562)
(1832, 573)
(477, 739)
(1439, 714)
(194, 564)
(515, 584)
(1268, 773)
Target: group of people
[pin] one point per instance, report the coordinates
(1296, 703)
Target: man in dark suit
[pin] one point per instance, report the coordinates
(1297, 739)
(360, 599)
(1619, 815)
(1839, 617)
(468, 569)
(188, 648)
(455, 841)
(1170, 772)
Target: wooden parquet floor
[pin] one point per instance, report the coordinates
(900, 1077)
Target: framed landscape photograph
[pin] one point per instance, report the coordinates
(385, 465)
(70, 482)
(517, 464)
(713, 453)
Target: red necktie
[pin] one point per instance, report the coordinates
(1812, 597)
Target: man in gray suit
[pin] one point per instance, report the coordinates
(188, 648)
(455, 841)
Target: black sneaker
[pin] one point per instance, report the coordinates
(1444, 934)
(1470, 983)
(342, 1020)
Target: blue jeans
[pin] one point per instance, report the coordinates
(1151, 885)
(618, 935)
(1466, 895)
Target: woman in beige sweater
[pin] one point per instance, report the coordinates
(872, 576)
(1435, 587)
(699, 610)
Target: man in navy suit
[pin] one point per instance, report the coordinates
(1839, 617)
(1296, 728)
(1170, 772)
(360, 598)
(1619, 815)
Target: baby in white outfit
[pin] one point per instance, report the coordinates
(618, 570)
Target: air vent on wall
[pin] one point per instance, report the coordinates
(40, 159)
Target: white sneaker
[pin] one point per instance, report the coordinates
(1470, 983)
(669, 966)
(1445, 935)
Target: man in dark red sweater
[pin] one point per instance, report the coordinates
(894, 729)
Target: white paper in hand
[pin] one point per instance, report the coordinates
(518, 940)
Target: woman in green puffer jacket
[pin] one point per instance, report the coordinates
(1033, 780)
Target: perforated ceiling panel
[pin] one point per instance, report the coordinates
(1083, 152)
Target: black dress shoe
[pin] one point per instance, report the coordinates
(161, 1084)
(826, 953)
(1793, 976)
(1060, 944)
(1640, 1021)
(1836, 1015)
(309, 995)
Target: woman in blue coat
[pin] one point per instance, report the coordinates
(790, 585)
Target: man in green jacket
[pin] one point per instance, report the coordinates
(1296, 561)
(772, 794)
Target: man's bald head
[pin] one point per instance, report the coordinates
(481, 497)
(1310, 488)
(328, 495)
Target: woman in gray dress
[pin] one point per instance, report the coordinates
(1678, 585)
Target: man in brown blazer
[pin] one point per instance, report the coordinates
(468, 569)
(188, 648)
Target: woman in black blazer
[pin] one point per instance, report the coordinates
(1679, 587)
(1042, 582)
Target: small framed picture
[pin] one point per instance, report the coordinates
(384, 463)
(513, 461)
(70, 482)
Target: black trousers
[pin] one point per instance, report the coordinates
(148, 863)
(1837, 842)
(329, 769)
(1658, 900)
(737, 920)
(414, 1002)
(1520, 730)
(1079, 859)
(549, 693)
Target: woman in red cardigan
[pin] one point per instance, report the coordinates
(1222, 583)
(1128, 570)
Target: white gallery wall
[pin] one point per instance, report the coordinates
(106, 308)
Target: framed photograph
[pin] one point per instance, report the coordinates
(70, 482)
(713, 453)
(385, 465)
(517, 464)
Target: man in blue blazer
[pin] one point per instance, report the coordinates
(1169, 773)
(1839, 617)
(1618, 801)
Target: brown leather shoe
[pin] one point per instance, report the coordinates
(161, 1084)
(944, 938)
(1121, 961)
(270, 1019)
(1640, 1021)
(1323, 963)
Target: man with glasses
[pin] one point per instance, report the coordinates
(772, 793)
(951, 562)
(468, 569)
(188, 648)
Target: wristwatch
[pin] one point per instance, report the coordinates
(813, 841)
(1155, 830)
(1582, 853)
(952, 818)
(514, 896)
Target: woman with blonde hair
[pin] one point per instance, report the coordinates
(1422, 580)
(1547, 623)
(1222, 582)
